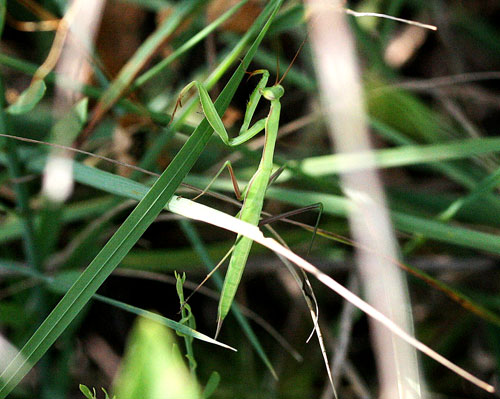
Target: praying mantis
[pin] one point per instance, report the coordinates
(254, 193)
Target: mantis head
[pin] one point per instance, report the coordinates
(273, 92)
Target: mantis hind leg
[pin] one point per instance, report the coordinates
(286, 215)
(207, 277)
(305, 285)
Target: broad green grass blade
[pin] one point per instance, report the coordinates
(29, 98)
(129, 232)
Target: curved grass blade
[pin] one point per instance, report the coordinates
(29, 98)
(174, 325)
(211, 386)
(129, 232)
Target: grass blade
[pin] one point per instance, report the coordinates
(396, 157)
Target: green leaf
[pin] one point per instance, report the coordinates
(106, 395)
(151, 368)
(29, 98)
(86, 392)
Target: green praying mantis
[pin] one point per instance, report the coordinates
(254, 193)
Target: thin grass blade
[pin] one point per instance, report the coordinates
(396, 157)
